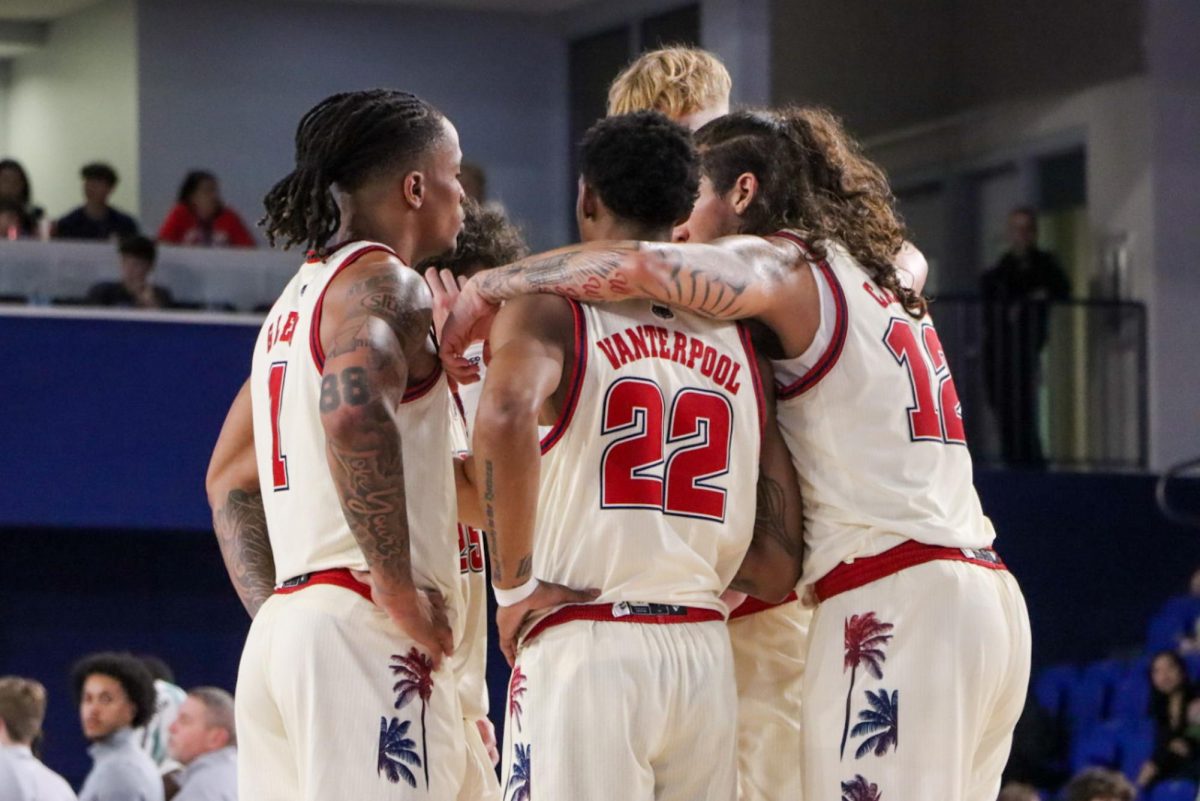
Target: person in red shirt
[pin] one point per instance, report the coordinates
(201, 218)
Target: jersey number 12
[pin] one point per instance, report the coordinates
(937, 415)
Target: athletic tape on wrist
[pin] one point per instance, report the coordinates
(514, 595)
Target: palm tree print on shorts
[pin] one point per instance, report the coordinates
(866, 637)
(516, 689)
(860, 790)
(396, 751)
(518, 782)
(881, 721)
(416, 680)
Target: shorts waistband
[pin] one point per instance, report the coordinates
(752, 606)
(338, 576)
(852, 575)
(625, 612)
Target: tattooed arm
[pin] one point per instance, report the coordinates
(772, 565)
(532, 340)
(236, 501)
(466, 484)
(375, 326)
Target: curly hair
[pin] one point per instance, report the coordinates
(643, 167)
(127, 670)
(814, 179)
(673, 80)
(487, 240)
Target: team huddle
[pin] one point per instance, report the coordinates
(716, 454)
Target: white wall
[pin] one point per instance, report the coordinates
(74, 100)
(224, 82)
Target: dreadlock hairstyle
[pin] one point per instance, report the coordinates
(346, 139)
(814, 179)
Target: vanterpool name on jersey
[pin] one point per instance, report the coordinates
(652, 341)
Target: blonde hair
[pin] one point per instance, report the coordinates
(673, 80)
(22, 707)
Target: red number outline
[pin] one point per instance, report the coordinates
(936, 413)
(696, 485)
(639, 423)
(279, 471)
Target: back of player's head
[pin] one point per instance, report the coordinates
(487, 239)
(22, 708)
(674, 80)
(128, 671)
(642, 167)
(346, 139)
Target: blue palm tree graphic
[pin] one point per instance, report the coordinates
(520, 775)
(395, 748)
(882, 722)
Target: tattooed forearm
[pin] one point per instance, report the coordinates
(525, 568)
(489, 511)
(770, 524)
(241, 527)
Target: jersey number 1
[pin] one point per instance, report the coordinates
(636, 406)
(279, 472)
(937, 415)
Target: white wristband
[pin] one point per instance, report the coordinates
(514, 595)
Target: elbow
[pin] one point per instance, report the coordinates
(349, 425)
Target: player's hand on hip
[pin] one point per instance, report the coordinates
(421, 615)
(510, 620)
(469, 321)
(488, 733)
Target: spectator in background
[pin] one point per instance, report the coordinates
(115, 693)
(201, 218)
(134, 289)
(1098, 784)
(14, 188)
(204, 741)
(12, 225)
(22, 776)
(95, 219)
(1015, 791)
(152, 738)
(1016, 324)
(1175, 752)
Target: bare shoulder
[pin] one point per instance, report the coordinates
(546, 317)
(379, 285)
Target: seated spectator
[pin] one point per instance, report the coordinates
(1175, 753)
(115, 693)
(134, 289)
(95, 219)
(201, 218)
(22, 710)
(153, 736)
(14, 188)
(1015, 791)
(12, 225)
(1098, 784)
(204, 741)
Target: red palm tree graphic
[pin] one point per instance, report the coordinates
(866, 637)
(516, 689)
(416, 680)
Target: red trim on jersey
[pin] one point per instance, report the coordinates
(606, 613)
(462, 410)
(748, 345)
(422, 389)
(852, 575)
(314, 333)
(338, 576)
(578, 369)
(840, 327)
(752, 606)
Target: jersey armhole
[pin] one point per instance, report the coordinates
(756, 376)
(578, 369)
(314, 331)
(833, 351)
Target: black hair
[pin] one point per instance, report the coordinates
(126, 669)
(140, 248)
(12, 164)
(346, 139)
(643, 166)
(191, 182)
(99, 171)
(13, 207)
(158, 668)
(487, 239)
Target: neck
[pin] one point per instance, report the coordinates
(95, 209)
(614, 229)
(362, 222)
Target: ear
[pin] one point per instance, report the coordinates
(414, 189)
(589, 204)
(744, 190)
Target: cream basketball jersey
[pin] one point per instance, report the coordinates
(648, 477)
(470, 658)
(304, 514)
(874, 426)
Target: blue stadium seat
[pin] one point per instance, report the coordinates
(1193, 665)
(1131, 697)
(1051, 686)
(1175, 619)
(1085, 702)
(1174, 790)
(1105, 676)
(1136, 745)
(1098, 746)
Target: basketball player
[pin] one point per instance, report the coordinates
(643, 488)
(343, 691)
(912, 599)
(692, 87)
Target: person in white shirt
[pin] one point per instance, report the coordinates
(203, 738)
(22, 776)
